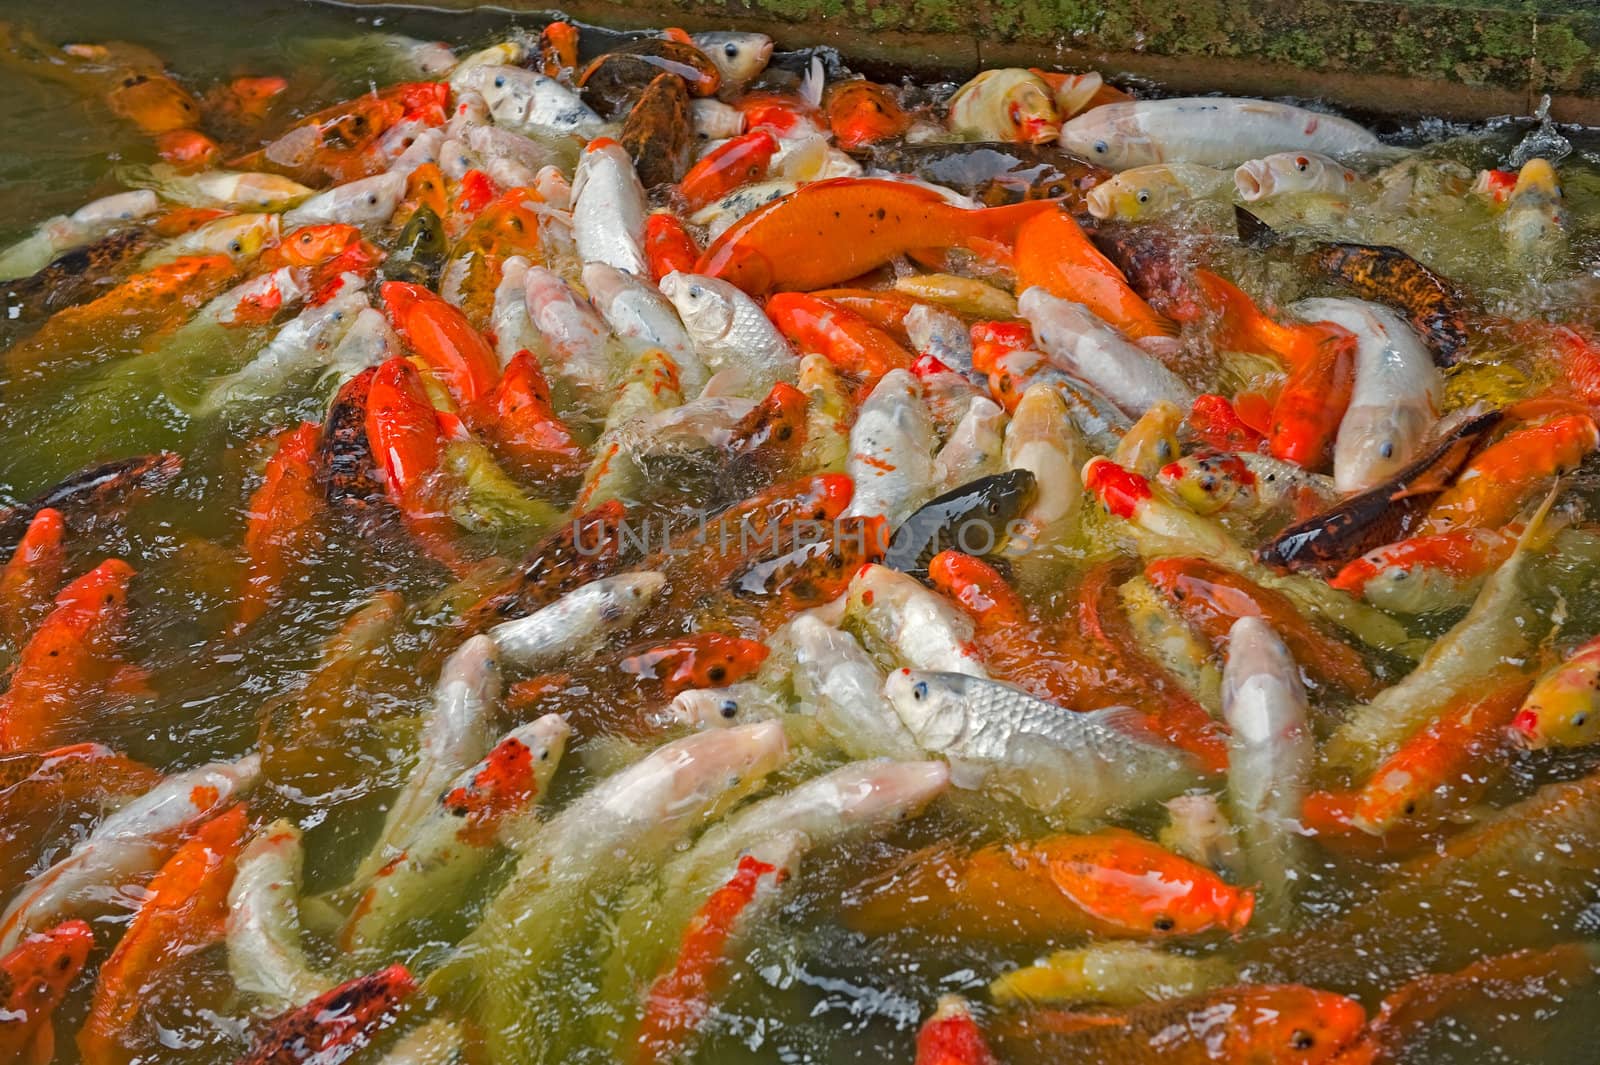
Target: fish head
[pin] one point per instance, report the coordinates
(156, 104)
(1561, 711)
(738, 57)
(931, 705)
(240, 237)
(706, 304)
(606, 284)
(1536, 182)
(863, 112)
(1110, 136)
(546, 738)
(1293, 1024)
(1031, 111)
(1137, 194)
(474, 666)
(1209, 481)
(1384, 438)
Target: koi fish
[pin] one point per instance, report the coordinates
(1149, 191)
(1285, 1023)
(575, 624)
(1207, 130)
(403, 432)
(609, 208)
(68, 660)
(1052, 252)
(1112, 883)
(1428, 573)
(1312, 404)
(281, 514)
(265, 957)
(1560, 711)
(1499, 480)
(836, 679)
(1293, 173)
(1005, 104)
(738, 55)
(864, 222)
(336, 1024)
(950, 1036)
(1534, 223)
(34, 977)
(849, 341)
(668, 246)
(1117, 974)
(1242, 326)
(31, 578)
(657, 132)
(125, 847)
(183, 912)
(862, 113)
(1079, 342)
(1390, 276)
(1212, 599)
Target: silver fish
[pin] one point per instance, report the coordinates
(840, 683)
(1080, 343)
(572, 626)
(738, 57)
(1078, 765)
(637, 311)
(1288, 173)
(731, 332)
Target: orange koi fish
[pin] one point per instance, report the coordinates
(1211, 598)
(1312, 403)
(830, 231)
(311, 245)
(704, 660)
(1053, 252)
(42, 794)
(1112, 883)
(1499, 996)
(885, 309)
(682, 996)
(668, 246)
(1449, 763)
(68, 659)
(769, 439)
(1501, 478)
(184, 911)
(335, 145)
(282, 518)
(246, 101)
(951, 1037)
(1280, 1024)
(1219, 424)
(144, 305)
(34, 979)
(558, 50)
(1241, 325)
(335, 1024)
(425, 187)
(446, 341)
(188, 149)
(403, 432)
(732, 163)
(523, 426)
(848, 340)
(33, 576)
(863, 112)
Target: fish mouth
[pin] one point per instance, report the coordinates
(1099, 202)
(1251, 183)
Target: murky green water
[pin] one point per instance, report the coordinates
(807, 991)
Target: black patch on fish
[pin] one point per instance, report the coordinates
(1253, 232)
(1380, 515)
(97, 493)
(947, 522)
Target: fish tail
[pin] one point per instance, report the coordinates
(983, 228)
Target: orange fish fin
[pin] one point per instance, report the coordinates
(41, 1048)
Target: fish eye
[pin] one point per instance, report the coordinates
(234, 245)
(1101, 147)
(372, 199)
(1163, 923)
(695, 292)
(1143, 196)
(728, 709)
(1302, 1039)
(499, 81)
(1302, 164)
(717, 673)
(1579, 718)
(730, 49)
(919, 690)
(1056, 189)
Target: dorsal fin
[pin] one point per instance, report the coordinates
(1253, 232)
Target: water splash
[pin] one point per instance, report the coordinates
(1544, 141)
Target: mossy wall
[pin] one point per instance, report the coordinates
(1456, 58)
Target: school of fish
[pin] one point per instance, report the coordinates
(818, 537)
